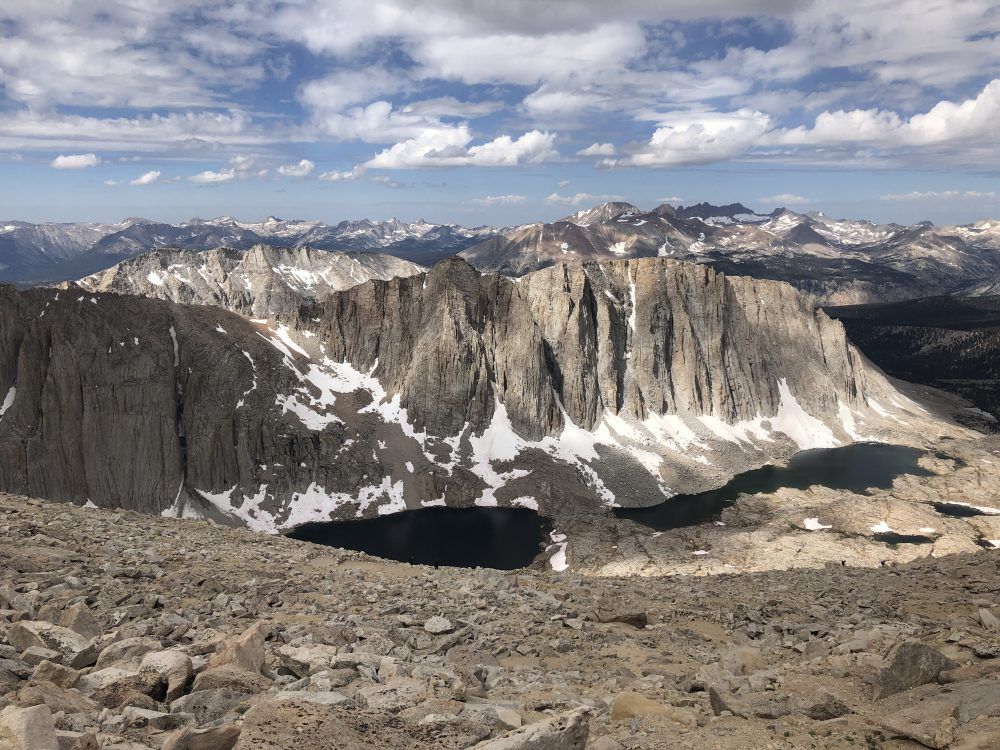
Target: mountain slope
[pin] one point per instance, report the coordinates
(262, 282)
(45, 253)
(838, 261)
(577, 387)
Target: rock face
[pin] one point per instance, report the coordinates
(262, 282)
(573, 388)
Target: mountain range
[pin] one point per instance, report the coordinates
(576, 387)
(838, 261)
(50, 252)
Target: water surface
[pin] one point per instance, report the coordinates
(857, 467)
(502, 538)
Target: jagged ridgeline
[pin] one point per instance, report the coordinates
(570, 389)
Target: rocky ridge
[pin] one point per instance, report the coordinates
(838, 261)
(125, 632)
(575, 388)
(51, 252)
(261, 282)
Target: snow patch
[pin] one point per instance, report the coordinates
(8, 401)
(813, 524)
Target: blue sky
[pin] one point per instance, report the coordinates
(481, 112)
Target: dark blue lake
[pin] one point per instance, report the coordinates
(856, 467)
(502, 538)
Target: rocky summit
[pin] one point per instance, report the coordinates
(122, 631)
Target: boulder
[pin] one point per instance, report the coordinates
(438, 625)
(209, 705)
(80, 619)
(56, 698)
(566, 731)
(305, 660)
(395, 695)
(27, 729)
(173, 667)
(57, 674)
(233, 677)
(245, 651)
(127, 654)
(211, 738)
(632, 705)
(27, 633)
(909, 665)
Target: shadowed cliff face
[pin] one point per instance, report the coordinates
(576, 386)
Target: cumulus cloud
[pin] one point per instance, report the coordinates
(598, 149)
(210, 177)
(500, 200)
(580, 199)
(449, 147)
(785, 199)
(304, 168)
(351, 174)
(700, 138)
(75, 161)
(147, 178)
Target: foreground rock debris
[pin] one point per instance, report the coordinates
(119, 630)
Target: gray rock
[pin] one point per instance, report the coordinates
(909, 665)
(566, 731)
(437, 625)
(211, 738)
(27, 729)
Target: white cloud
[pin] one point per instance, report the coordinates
(969, 120)
(191, 131)
(673, 199)
(581, 199)
(351, 174)
(563, 183)
(448, 147)
(938, 195)
(209, 177)
(303, 169)
(785, 199)
(598, 149)
(700, 138)
(147, 178)
(526, 59)
(75, 161)
(500, 200)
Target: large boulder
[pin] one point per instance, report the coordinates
(212, 738)
(27, 729)
(245, 651)
(233, 677)
(173, 667)
(27, 633)
(909, 665)
(567, 731)
(80, 619)
(127, 654)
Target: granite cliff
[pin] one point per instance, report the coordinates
(574, 388)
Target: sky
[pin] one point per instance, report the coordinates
(485, 112)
